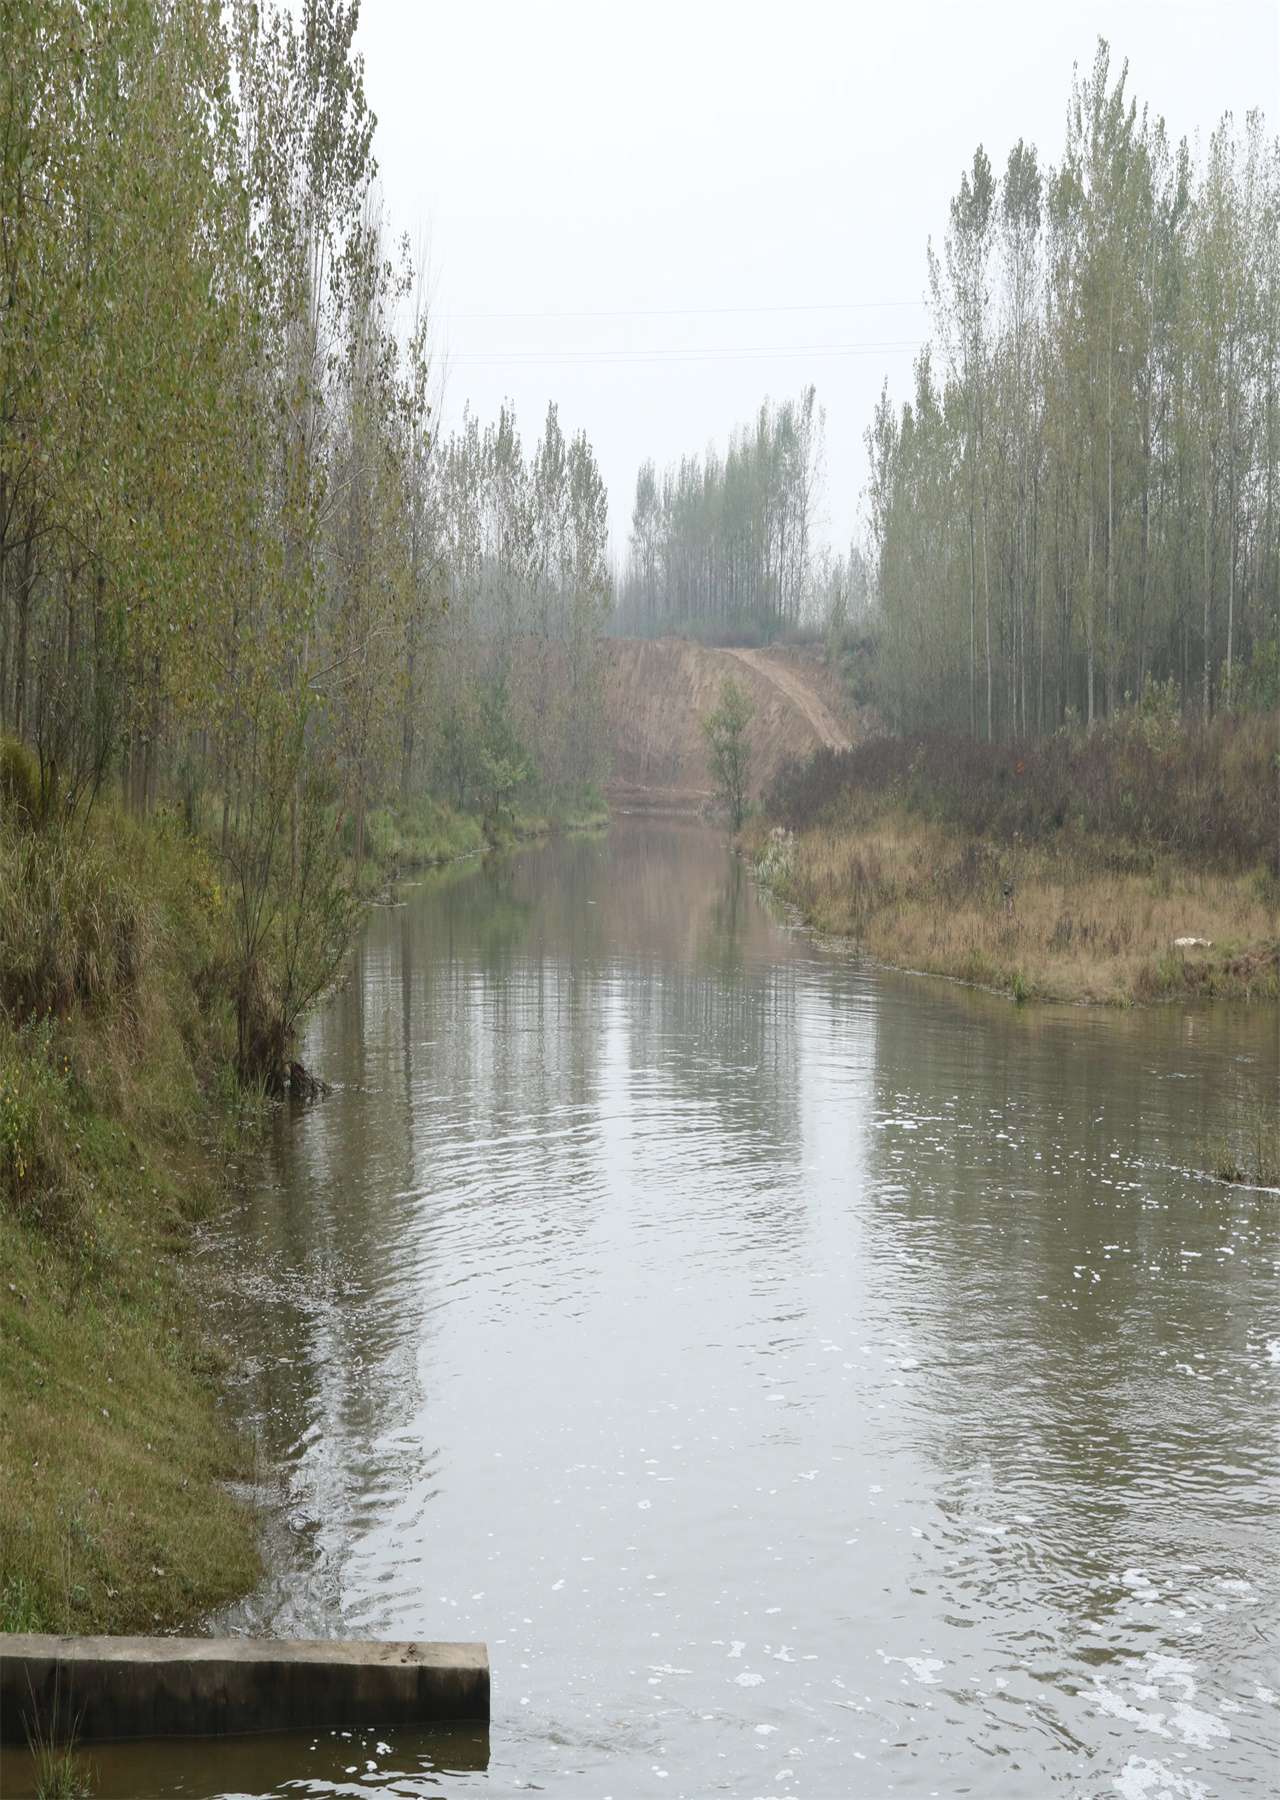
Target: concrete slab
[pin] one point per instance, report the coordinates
(126, 1687)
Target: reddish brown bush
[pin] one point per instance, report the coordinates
(1206, 791)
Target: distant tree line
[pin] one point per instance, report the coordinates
(513, 698)
(1081, 500)
(725, 546)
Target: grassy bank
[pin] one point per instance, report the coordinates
(117, 1124)
(1065, 871)
(120, 1120)
(424, 833)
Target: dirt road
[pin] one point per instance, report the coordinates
(659, 690)
(831, 733)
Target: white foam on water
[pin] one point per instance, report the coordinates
(924, 1668)
(1197, 1728)
(1174, 1669)
(1143, 1779)
(1116, 1707)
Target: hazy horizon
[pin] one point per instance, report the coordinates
(657, 229)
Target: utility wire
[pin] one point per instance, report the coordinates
(684, 312)
(749, 353)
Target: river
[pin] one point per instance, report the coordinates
(808, 1379)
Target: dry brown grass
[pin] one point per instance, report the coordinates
(1075, 927)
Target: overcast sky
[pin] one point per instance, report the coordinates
(657, 214)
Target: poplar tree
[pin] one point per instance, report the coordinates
(1088, 495)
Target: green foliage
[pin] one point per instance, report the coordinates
(111, 1119)
(41, 1180)
(19, 786)
(418, 833)
(1260, 683)
(228, 537)
(522, 545)
(1075, 503)
(1248, 1153)
(59, 1772)
(73, 927)
(503, 766)
(729, 749)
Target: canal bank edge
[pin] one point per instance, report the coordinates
(1063, 934)
(146, 1687)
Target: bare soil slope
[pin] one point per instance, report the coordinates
(658, 691)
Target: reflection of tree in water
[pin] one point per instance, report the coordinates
(1062, 1277)
(338, 1245)
(719, 1029)
(724, 939)
(468, 1047)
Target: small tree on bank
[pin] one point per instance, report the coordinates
(729, 749)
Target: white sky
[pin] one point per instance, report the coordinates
(670, 172)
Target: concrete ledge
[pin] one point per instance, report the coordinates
(126, 1687)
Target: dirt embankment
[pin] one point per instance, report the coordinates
(658, 691)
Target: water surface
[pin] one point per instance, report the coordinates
(809, 1380)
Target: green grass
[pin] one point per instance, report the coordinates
(424, 833)
(1248, 1153)
(116, 1128)
(60, 1774)
(417, 835)
(57, 1771)
(120, 1118)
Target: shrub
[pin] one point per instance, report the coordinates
(72, 926)
(41, 1182)
(1144, 781)
(19, 785)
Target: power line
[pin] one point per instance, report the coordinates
(686, 312)
(749, 353)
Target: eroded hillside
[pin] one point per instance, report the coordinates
(660, 689)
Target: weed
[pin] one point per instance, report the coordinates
(1065, 868)
(19, 785)
(1075, 926)
(1141, 783)
(1249, 1153)
(59, 1772)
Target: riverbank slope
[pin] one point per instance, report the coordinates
(119, 1125)
(1067, 870)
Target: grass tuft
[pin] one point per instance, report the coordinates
(59, 1772)
(1248, 1153)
